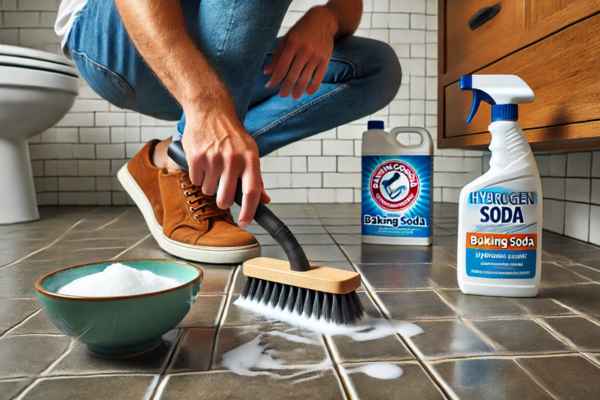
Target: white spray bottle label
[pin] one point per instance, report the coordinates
(501, 231)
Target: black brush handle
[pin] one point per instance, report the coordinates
(265, 218)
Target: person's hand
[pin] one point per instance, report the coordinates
(220, 152)
(300, 60)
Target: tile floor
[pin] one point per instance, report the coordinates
(471, 348)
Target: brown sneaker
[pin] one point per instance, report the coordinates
(206, 234)
(195, 228)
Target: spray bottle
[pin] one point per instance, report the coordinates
(500, 213)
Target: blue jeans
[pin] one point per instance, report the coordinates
(238, 38)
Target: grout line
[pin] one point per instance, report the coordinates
(223, 313)
(59, 359)
(371, 293)
(112, 221)
(131, 247)
(152, 387)
(160, 387)
(27, 389)
(21, 323)
(52, 243)
(536, 380)
(345, 387)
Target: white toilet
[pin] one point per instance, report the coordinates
(36, 90)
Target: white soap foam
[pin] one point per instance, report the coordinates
(368, 328)
(253, 359)
(117, 280)
(379, 370)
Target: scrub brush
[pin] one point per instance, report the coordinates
(292, 286)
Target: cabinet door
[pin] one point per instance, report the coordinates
(517, 24)
(564, 72)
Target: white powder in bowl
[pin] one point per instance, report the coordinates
(117, 280)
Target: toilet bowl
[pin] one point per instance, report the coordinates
(36, 90)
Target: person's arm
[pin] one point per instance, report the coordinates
(216, 144)
(300, 61)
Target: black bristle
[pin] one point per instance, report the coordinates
(253, 286)
(326, 313)
(358, 308)
(275, 295)
(260, 289)
(317, 305)
(285, 292)
(308, 303)
(336, 308)
(267, 294)
(246, 288)
(299, 303)
(346, 309)
(289, 305)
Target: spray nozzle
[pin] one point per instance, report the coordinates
(502, 92)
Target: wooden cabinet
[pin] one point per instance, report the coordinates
(554, 45)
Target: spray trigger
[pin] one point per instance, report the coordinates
(478, 96)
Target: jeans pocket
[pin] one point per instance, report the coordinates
(108, 84)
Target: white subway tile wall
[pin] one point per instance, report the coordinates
(571, 185)
(95, 138)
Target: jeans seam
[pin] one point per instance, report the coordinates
(117, 78)
(299, 110)
(228, 32)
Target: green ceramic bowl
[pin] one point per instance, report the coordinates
(125, 325)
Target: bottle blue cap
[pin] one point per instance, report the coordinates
(375, 124)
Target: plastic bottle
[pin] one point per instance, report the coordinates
(500, 213)
(396, 186)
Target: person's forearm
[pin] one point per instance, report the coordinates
(158, 30)
(347, 15)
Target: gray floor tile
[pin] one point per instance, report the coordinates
(313, 252)
(289, 345)
(348, 239)
(382, 254)
(553, 275)
(38, 324)
(388, 348)
(14, 311)
(79, 361)
(491, 379)
(227, 385)
(584, 298)
(92, 388)
(412, 384)
(204, 312)
(449, 339)
(29, 355)
(582, 332)
(588, 272)
(567, 377)
(408, 276)
(470, 306)
(303, 239)
(194, 351)
(9, 389)
(520, 336)
(414, 305)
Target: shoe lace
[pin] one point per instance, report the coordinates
(201, 206)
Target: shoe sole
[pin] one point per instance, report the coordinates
(205, 254)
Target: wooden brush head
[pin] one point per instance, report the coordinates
(323, 279)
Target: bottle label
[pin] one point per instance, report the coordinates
(396, 196)
(501, 237)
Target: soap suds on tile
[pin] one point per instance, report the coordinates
(253, 358)
(117, 280)
(379, 370)
(366, 329)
